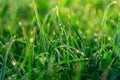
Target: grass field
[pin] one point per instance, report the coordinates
(59, 39)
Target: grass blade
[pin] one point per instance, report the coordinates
(5, 60)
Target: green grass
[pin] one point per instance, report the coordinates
(59, 40)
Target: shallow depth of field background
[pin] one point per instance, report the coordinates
(59, 39)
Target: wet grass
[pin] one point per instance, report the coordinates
(59, 40)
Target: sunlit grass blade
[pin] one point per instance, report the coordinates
(36, 13)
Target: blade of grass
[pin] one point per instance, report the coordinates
(8, 46)
(106, 71)
(76, 31)
(70, 61)
(105, 13)
(117, 40)
(103, 23)
(36, 13)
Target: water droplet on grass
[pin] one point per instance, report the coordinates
(20, 23)
(31, 40)
(109, 38)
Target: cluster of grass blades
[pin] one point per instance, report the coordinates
(59, 40)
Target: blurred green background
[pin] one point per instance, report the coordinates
(87, 15)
